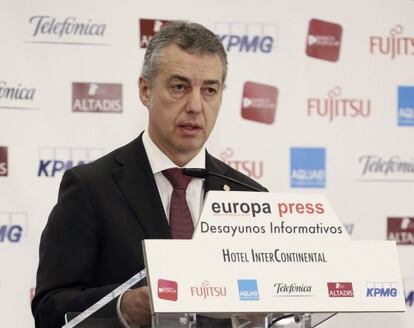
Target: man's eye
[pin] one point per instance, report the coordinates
(178, 87)
(211, 91)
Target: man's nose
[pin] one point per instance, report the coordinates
(195, 101)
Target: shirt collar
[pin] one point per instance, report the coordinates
(159, 161)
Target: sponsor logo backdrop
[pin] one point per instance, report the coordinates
(317, 100)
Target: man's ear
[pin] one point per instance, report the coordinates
(144, 91)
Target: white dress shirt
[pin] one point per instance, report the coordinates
(159, 162)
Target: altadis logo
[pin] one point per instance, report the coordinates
(406, 106)
(167, 290)
(13, 226)
(16, 96)
(4, 169)
(148, 28)
(68, 30)
(96, 97)
(248, 37)
(340, 289)
(307, 167)
(57, 160)
(324, 40)
(248, 290)
(401, 230)
(259, 102)
(382, 289)
(251, 168)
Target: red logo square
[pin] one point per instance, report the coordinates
(96, 97)
(324, 40)
(167, 290)
(3, 162)
(259, 102)
(148, 28)
(401, 230)
(340, 289)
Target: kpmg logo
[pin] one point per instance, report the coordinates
(4, 168)
(248, 37)
(251, 168)
(393, 45)
(401, 229)
(382, 289)
(248, 290)
(324, 40)
(405, 105)
(96, 97)
(167, 290)
(206, 291)
(337, 106)
(259, 102)
(53, 161)
(13, 226)
(340, 289)
(291, 289)
(307, 167)
(67, 30)
(16, 96)
(148, 28)
(382, 168)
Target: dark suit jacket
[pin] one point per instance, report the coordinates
(92, 241)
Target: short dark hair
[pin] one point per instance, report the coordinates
(190, 37)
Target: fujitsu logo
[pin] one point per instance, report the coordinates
(336, 106)
(393, 45)
(48, 25)
(16, 92)
(97, 97)
(401, 230)
(376, 165)
(340, 289)
(251, 168)
(205, 290)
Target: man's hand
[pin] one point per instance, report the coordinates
(135, 306)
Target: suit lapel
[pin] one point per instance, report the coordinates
(212, 182)
(134, 177)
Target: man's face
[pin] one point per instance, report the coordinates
(183, 101)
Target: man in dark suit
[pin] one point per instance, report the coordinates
(92, 241)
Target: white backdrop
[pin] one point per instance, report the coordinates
(68, 94)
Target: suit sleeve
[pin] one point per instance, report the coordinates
(68, 251)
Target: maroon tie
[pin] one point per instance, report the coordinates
(181, 224)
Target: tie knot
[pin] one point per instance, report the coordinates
(177, 179)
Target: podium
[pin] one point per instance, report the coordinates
(265, 260)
